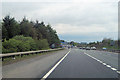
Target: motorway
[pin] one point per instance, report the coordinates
(34, 67)
(76, 64)
(79, 65)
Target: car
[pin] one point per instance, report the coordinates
(87, 48)
(80, 47)
(83, 48)
(104, 48)
(93, 48)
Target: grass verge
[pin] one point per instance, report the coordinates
(10, 60)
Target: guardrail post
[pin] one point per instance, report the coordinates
(21, 55)
(2, 58)
(13, 57)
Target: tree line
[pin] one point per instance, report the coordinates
(24, 30)
(106, 42)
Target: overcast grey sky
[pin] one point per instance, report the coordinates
(77, 20)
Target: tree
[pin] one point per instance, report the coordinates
(72, 43)
(41, 30)
(37, 31)
(52, 37)
(0, 29)
(62, 40)
(4, 33)
(10, 27)
(33, 33)
(106, 41)
(26, 27)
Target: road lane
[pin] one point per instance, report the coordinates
(79, 65)
(34, 67)
(107, 57)
(51, 70)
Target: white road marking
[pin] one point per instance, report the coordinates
(108, 66)
(114, 69)
(46, 75)
(118, 72)
(103, 63)
(98, 60)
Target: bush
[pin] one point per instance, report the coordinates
(21, 44)
(42, 44)
(10, 46)
(27, 43)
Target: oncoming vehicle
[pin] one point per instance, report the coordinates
(83, 48)
(104, 48)
(87, 48)
(93, 48)
(80, 47)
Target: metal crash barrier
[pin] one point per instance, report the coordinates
(6, 55)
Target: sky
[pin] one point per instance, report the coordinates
(74, 20)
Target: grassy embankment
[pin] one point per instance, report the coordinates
(10, 60)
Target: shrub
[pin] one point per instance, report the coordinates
(21, 44)
(42, 44)
(10, 46)
(27, 43)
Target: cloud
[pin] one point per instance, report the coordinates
(83, 17)
(60, 1)
(95, 36)
(71, 29)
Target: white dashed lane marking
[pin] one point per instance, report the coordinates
(109, 66)
(103, 63)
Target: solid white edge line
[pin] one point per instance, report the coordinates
(114, 69)
(50, 71)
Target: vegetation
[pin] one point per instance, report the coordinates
(106, 42)
(27, 35)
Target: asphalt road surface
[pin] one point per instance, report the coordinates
(79, 65)
(32, 68)
(110, 58)
(75, 65)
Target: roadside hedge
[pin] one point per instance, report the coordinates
(21, 44)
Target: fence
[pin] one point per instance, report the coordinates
(26, 53)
